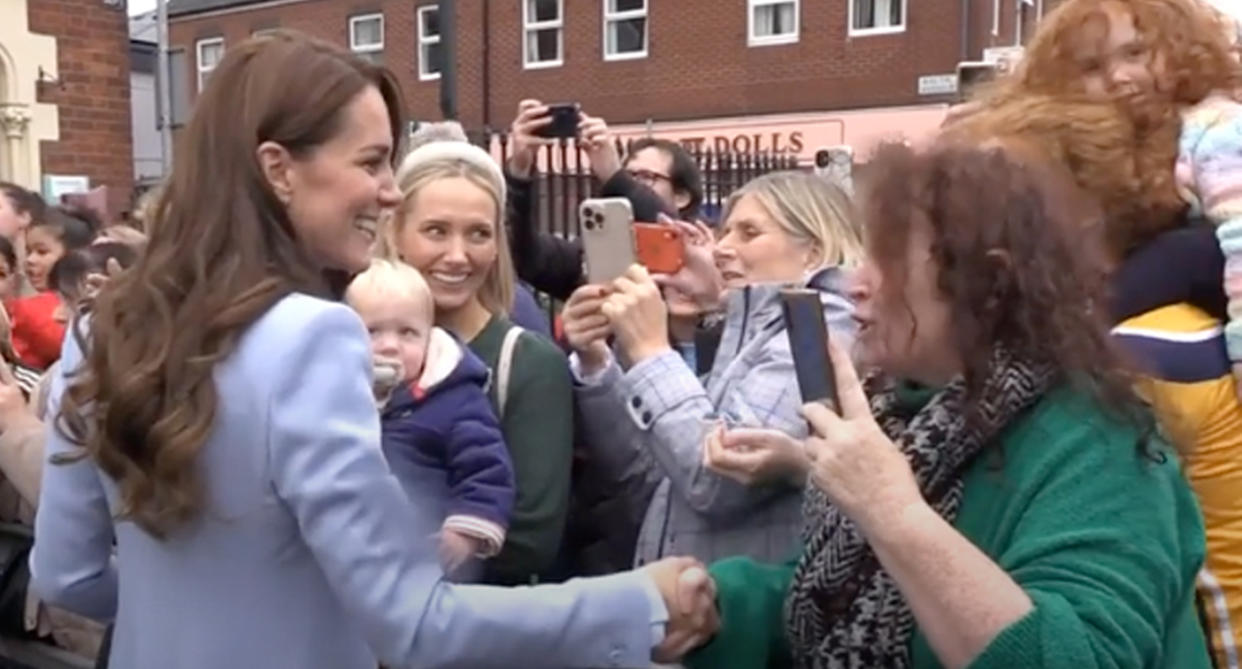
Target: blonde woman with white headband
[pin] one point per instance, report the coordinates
(450, 226)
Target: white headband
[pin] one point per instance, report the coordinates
(450, 150)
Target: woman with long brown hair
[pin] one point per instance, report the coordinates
(993, 494)
(215, 420)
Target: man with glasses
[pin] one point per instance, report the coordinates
(667, 169)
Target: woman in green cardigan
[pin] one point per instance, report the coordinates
(1006, 503)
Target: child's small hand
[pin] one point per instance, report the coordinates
(1237, 380)
(456, 549)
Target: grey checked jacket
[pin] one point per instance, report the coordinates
(648, 424)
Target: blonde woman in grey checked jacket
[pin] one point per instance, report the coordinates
(648, 419)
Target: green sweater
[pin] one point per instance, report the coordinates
(1105, 542)
(538, 429)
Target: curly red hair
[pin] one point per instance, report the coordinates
(1098, 145)
(1191, 37)
(1124, 156)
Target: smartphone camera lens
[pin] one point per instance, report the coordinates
(594, 220)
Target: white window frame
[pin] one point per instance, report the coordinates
(883, 30)
(424, 42)
(366, 48)
(612, 17)
(198, 58)
(768, 40)
(529, 26)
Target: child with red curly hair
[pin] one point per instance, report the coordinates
(1171, 68)
(1166, 142)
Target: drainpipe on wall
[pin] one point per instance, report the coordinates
(163, 84)
(965, 54)
(1017, 22)
(448, 69)
(487, 67)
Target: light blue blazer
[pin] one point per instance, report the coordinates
(308, 554)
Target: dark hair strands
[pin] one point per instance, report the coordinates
(683, 173)
(24, 201)
(75, 227)
(68, 273)
(1006, 231)
(8, 254)
(222, 251)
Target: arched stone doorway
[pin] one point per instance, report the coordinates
(8, 162)
(24, 121)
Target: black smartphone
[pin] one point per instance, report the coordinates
(808, 339)
(564, 123)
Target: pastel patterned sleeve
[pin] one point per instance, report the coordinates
(1210, 171)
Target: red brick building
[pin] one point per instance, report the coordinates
(66, 96)
(645, 62)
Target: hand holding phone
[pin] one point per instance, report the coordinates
(808, 340)
(659, 247)
(607, 237)
(564, 121)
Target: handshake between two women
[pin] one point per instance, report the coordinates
(689, 595)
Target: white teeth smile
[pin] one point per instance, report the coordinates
(367, 226)
(451, 279)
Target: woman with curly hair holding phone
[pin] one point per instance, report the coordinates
(993, 493)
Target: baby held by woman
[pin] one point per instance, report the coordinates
(440, 434)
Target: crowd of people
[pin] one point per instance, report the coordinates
(314, 413)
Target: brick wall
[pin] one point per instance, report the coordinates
(699, 64)
(93, 98)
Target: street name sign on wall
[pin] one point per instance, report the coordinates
(938, 84)
(56, 185)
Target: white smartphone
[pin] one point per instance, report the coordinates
(607, 237)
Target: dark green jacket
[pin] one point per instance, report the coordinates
(1105, 542)
(538, 429)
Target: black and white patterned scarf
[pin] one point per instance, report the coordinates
(843, 611)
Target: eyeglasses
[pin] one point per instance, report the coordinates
(650, 177)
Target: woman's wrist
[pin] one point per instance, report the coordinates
(886, 524)
(799, 469)
(644, 352)
(521, 163)
(593, 359)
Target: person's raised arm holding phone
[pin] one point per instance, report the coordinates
(549, 263)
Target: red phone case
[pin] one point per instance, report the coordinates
(659, 248)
